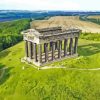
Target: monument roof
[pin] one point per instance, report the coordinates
(43, 30)
(48, 31)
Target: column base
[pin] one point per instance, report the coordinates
(31, 61)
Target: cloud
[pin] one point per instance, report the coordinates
(39, 4)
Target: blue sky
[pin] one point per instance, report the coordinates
(50, 5)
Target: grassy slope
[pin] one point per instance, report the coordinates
(51, 84)
(67, 21)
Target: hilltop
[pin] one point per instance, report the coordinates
(60, 84)
(23, 81)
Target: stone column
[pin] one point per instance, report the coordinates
(31, 50)
(65, 47)
(75, 45)
(46, 51)
(26, 48)
(55, 45)
(40, 53)
(44, 47)
(50, 46)
(53, 50)
(61, 45)
(35, 52)
(71, 46)
(59, 49)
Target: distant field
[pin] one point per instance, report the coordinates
(95, 16)
(67, 22)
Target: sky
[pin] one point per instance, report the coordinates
(84, 5)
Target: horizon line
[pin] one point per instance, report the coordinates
(50, 10)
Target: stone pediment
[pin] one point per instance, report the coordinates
(46, 32)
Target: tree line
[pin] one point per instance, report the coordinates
(94, 20)
(10, 32)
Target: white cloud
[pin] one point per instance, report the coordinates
(39, 4)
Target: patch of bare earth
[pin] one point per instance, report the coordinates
(67, 22)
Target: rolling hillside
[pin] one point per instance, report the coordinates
(67, 22)
(20, 81)
(51, 84)
(95, 16)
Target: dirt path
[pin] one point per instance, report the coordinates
(51, 67)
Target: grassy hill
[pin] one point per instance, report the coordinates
(51, 84)
(22, 81)
(67, 22)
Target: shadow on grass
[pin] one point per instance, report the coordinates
(4, 53)
(1, 66)
(90, 49)
(5, 73)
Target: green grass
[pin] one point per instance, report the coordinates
(0, 72)
(51, 84)
(90, 36)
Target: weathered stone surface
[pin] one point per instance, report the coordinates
(51, 40)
